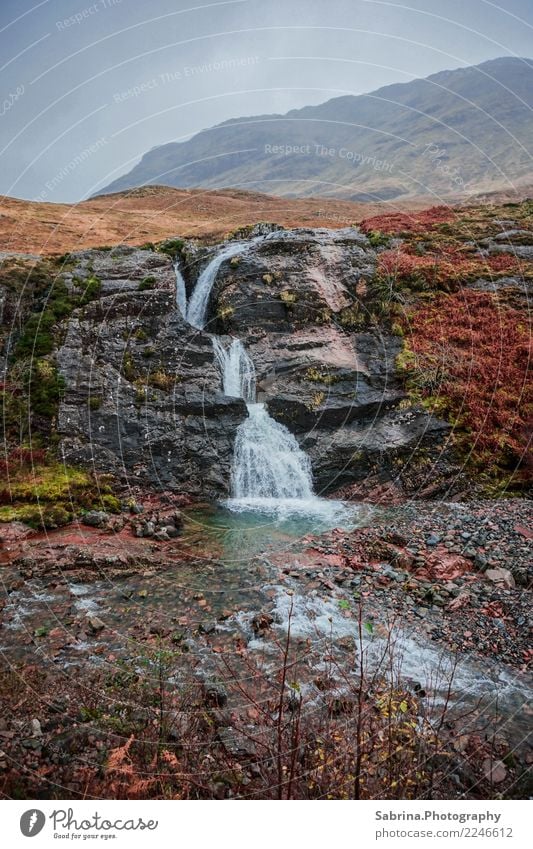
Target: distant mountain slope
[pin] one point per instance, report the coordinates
(466, 130)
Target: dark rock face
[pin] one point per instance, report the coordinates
(123, 269)
(290, 279)
(299, 301)
(143, 395)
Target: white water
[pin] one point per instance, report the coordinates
(237, 370)
(200, 297)
(268, 463)
(181, 292)
(270, 471)
(269, 466)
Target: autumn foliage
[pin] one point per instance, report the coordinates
(478, 354)
(446, 267)
(409, 222)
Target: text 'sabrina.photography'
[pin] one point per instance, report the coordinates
(266, 527)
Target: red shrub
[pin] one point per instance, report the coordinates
(481, 351)
(409, 222)
(448, 265)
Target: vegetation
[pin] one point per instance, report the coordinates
(467, 357)
(147, 283)
(39, 491)
(171, 247)
(34, 487)
(163, 736)
(321, 375)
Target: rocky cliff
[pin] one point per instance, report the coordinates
(143, 396)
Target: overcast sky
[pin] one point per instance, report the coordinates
(117, 77)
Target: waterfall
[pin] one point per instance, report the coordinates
(181, 292)
(237, 370)
(268, 465)
(270, 471)
(200, 297)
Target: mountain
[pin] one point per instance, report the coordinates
(454, 133)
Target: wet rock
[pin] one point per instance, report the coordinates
(171, 531)
(96, 518)
(236, 743)
(35, 726)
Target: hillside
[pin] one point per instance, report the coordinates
(158, 212)
(457, 132)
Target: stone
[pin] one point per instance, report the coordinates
(215, 695)
(36, 728)
(148, 529)
(96, 624)
(433, 539)
(95, 518)
(494, 771)
(501, 576)
(171, 531)
(332, 382)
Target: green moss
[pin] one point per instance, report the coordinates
(92, 290)
(351, 318)
(47, 517)
(147, 283)
(172, 247)
(225, 312)
(110, 503)
(47, 483)
(378, 240)
(95, 402)
(316, 401)
(128, 366)
(161, 380)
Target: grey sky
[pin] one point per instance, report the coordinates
(117, 77)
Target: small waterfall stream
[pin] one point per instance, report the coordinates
(199, 300)
(269, 468)
(269, 465)
(181, 291)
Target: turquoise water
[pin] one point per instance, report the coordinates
(237, 531)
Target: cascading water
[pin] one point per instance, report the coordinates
(268, 466)
(270, 471)
(237, 370)
(181, 291)
(200, 297)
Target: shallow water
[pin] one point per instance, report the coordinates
(221, 574)
(240, 529)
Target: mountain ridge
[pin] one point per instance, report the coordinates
(402, 140)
